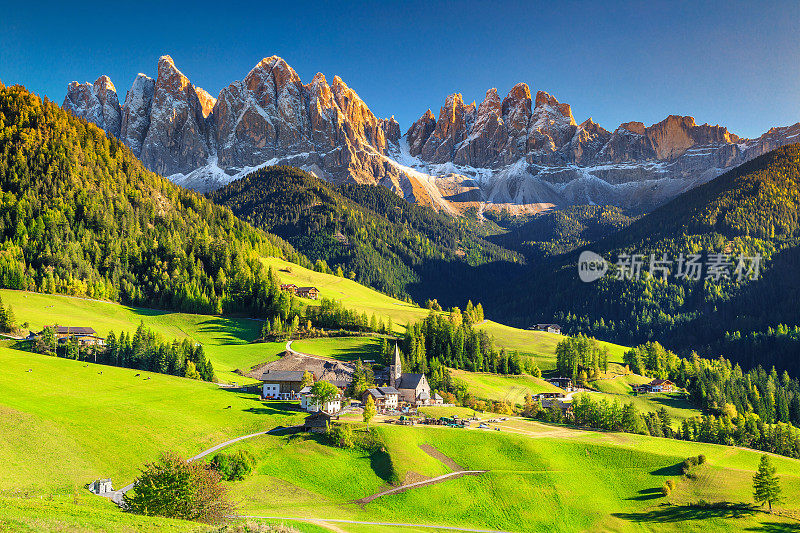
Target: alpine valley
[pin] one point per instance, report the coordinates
(271, 311)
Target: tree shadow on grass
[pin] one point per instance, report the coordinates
(680, 513)
(381, 463)
(776, 527)
(674, 470)
(268, 410)
(648, 494)
(228, 329)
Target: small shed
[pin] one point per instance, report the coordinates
(318, 422)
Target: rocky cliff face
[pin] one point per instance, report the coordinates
(520, 152)
(96, 103)
(526, 154)
(270, 116)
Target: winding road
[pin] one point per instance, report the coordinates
(116, 496)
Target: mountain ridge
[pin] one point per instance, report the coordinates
(523, 153)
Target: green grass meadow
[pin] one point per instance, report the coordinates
(341, 348)
(551, 480)
(65, 423)
(496, 387)
(226, 341)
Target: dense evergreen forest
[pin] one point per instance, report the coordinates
(144, 350)
(751, 210)
(80, 215)
(370, 234)
(450, 341)
(560, 231)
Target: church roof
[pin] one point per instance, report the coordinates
(410, 381)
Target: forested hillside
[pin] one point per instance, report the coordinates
(750, 210)
(80, 215)
(368, 233)
(562, 230)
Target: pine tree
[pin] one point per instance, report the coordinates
(766, 485)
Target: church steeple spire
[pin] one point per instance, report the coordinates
(396, 368)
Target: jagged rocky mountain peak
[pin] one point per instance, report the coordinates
(523, 152)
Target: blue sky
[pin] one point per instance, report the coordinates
(730, 63)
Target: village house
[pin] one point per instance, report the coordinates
(290, 287)
(413, 388)
(385, 398)
(308, 402)
(101, 486)
(561, 383)
(549, 328)
(339, 373)
(282, 384)
(86, 336)
(312, 293)
(557, 403)
(657, 385)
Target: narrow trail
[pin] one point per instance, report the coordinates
(116, 496)
(431, 481)
(457, 472)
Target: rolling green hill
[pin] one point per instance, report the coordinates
(539, 344)
(226, 340)
(578, 480)
(66, 423)
(511, 389)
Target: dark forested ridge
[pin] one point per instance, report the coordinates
(750, 210)
(80, 215)
(368, 232)
(563, 230)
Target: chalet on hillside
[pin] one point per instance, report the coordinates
(86, 336)
(549, 328)
(289, 287)
(312, 293)
(657, 385)
(561, 383)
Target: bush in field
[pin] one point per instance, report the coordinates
(234, 466)
(341, 435)
(689, 464)
(175, 488)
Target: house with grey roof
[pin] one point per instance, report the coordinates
(281, 384)
(385, 398)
